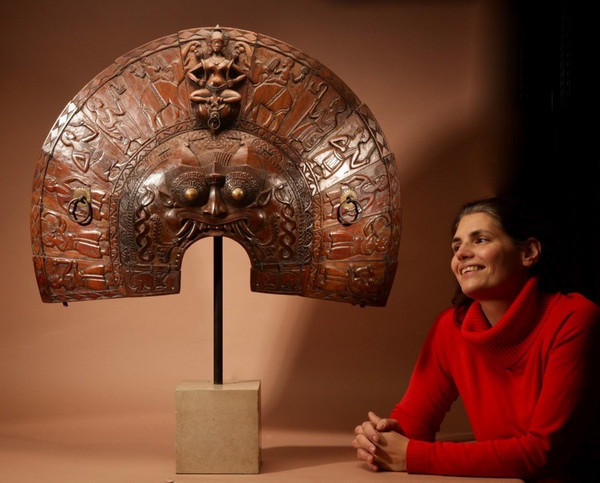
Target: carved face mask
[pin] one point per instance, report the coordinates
(260, 144)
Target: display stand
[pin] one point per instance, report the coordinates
(217, 424)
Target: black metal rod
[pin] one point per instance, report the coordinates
(218, 309)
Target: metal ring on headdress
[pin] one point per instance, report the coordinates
(74, 209)
(349, 210)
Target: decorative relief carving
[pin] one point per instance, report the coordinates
(323, 115)
(143, 282)
(343, 150)
(162, 98)
(271, 98)
(77, 139)
(371, 186)
(195, 186)
(68, 275)
(394, 195)
(63, 192)
(361, 283)
(372, 240)
(88, 243)
(216, 132)
(82, 151)
(216, 77)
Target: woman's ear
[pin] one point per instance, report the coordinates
(532, 249)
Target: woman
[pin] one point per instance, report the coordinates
(520, 354)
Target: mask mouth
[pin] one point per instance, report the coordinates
(247, 225)
(193, 223)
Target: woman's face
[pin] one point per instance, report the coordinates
(486, 262)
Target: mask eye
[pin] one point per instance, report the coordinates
(240, 189)
(190, 189)
(237, 194)
(191, 194)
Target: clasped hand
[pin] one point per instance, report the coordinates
(380, 445)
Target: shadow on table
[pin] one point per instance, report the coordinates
(285, 458)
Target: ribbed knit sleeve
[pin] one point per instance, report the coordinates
(431, 390)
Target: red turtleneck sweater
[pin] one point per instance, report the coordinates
(524, 383)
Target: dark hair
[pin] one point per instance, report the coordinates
(520, 222)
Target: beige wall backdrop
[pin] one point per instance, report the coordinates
(434, 73)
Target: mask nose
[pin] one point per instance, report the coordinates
(215, 207)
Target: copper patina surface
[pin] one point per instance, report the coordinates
(216, 132)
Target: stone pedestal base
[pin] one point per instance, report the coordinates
(217, 427)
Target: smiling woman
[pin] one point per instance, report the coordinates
(518, 351)
(488, 265)
(518, 235)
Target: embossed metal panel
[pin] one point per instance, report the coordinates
(216, 132)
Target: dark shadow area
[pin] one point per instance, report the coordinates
(286, 458)
(557, 160)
